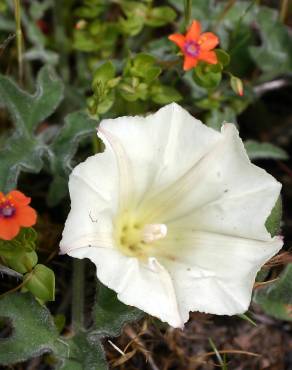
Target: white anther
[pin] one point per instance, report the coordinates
(153, 232)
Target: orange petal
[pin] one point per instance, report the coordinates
(18, 198)
(9, 228)
(208, 56)
(26, 216)
(208, 41)
(194, 31)
(190, 62)
(178, 39)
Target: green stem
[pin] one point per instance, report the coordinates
(188, 12)
(78, 294)
(18, 38)
(284, 10)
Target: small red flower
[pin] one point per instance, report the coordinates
(196, 46)
(15, 213)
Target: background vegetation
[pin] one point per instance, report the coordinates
(66, 65)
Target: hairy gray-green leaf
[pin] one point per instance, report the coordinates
(110, 314)
(78, 125)
(28, 110)
(256, 150)
(84, 353)
(276, 299)
(23, 151)
(275, 53)
(34, 332)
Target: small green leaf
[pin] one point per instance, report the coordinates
(207, 76)
(273, 222)
(103, 74)
(23, 262)
(257, 150)
(223, 57)
(110, 314)
(162, 94)
(24, 242)
(34, 332)
(276, 298)
(41, 283)
(159, 16)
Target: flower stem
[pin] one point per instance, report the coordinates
(18, 38)
(78, 294)
(188, 12)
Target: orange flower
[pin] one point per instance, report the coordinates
(14, 213)
(196, 46)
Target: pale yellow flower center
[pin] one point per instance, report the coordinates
(134, 238)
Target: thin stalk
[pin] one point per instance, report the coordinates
(19, 40)
(188, 12)
(78, 294)
(283, 10)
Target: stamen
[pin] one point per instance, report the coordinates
(153, 232)
(192, 48)
(7, 209)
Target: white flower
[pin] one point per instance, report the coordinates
(173, 215)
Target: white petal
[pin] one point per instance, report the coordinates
(162, 146)
(235, 196)
(147, 286)
(93, 189)
(215, 273)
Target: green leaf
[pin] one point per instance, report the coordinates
(22, 262)
(110, 314)
(207, 76)
(216, 118)
(162, 94)
(257, 150)
(276, 298)
(222, 57)
(84, 352)
(77, 127)
(41, 283)
(273, 222)
(275, 53)
(29, 110)
(23, 151)
(34, 332)
(23, 243)
(104, 73)
(159, 16)
(143, 65)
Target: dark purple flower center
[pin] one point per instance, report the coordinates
(192, 48)
(7, 209)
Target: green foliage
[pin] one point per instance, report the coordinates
(23, 150)
(63, 148)
(110, 314)
(27, 317)
(41, 283)
(275, 54)
(84, 352)
(24, 242)
(276, 298)
(273, 222)
(256, 150)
